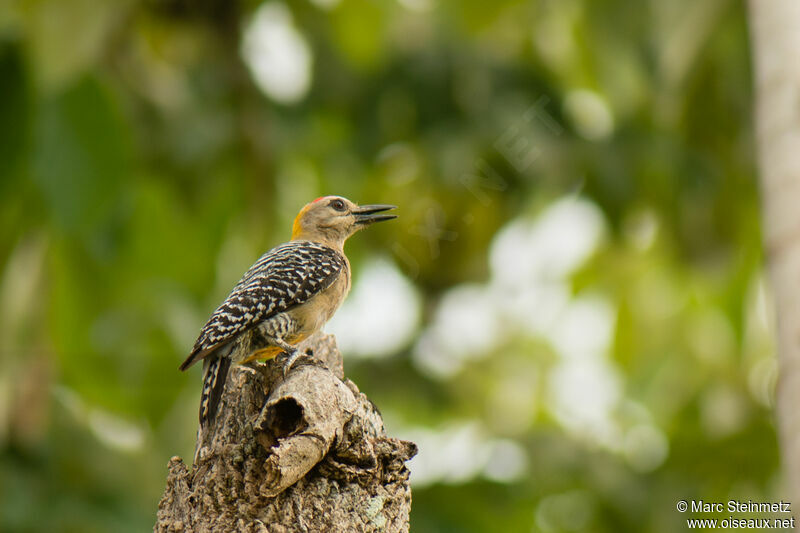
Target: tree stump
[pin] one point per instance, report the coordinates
(307, 452)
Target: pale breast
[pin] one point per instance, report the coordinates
(319, 309)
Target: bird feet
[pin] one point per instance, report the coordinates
(289, 359)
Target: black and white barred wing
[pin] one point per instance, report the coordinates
(286, 276)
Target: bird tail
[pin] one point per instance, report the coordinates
(215, 373)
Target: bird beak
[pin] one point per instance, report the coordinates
(367, 214)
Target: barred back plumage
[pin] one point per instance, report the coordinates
(286, 276)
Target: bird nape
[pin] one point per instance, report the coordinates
(286, 296)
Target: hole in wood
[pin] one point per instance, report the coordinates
(284, 418)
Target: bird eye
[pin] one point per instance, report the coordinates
(337, 204)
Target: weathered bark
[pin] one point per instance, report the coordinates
(304, 453)
(775, 29)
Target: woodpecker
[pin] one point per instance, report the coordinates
(287, 295)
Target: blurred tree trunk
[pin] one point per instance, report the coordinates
(307, 452)
(775, 30)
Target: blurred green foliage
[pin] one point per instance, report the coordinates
(142, 170)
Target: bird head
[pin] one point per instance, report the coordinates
(332, 219)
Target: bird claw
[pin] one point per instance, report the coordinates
(291, 358)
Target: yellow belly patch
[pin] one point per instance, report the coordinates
(263, 354)
(270, 352)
